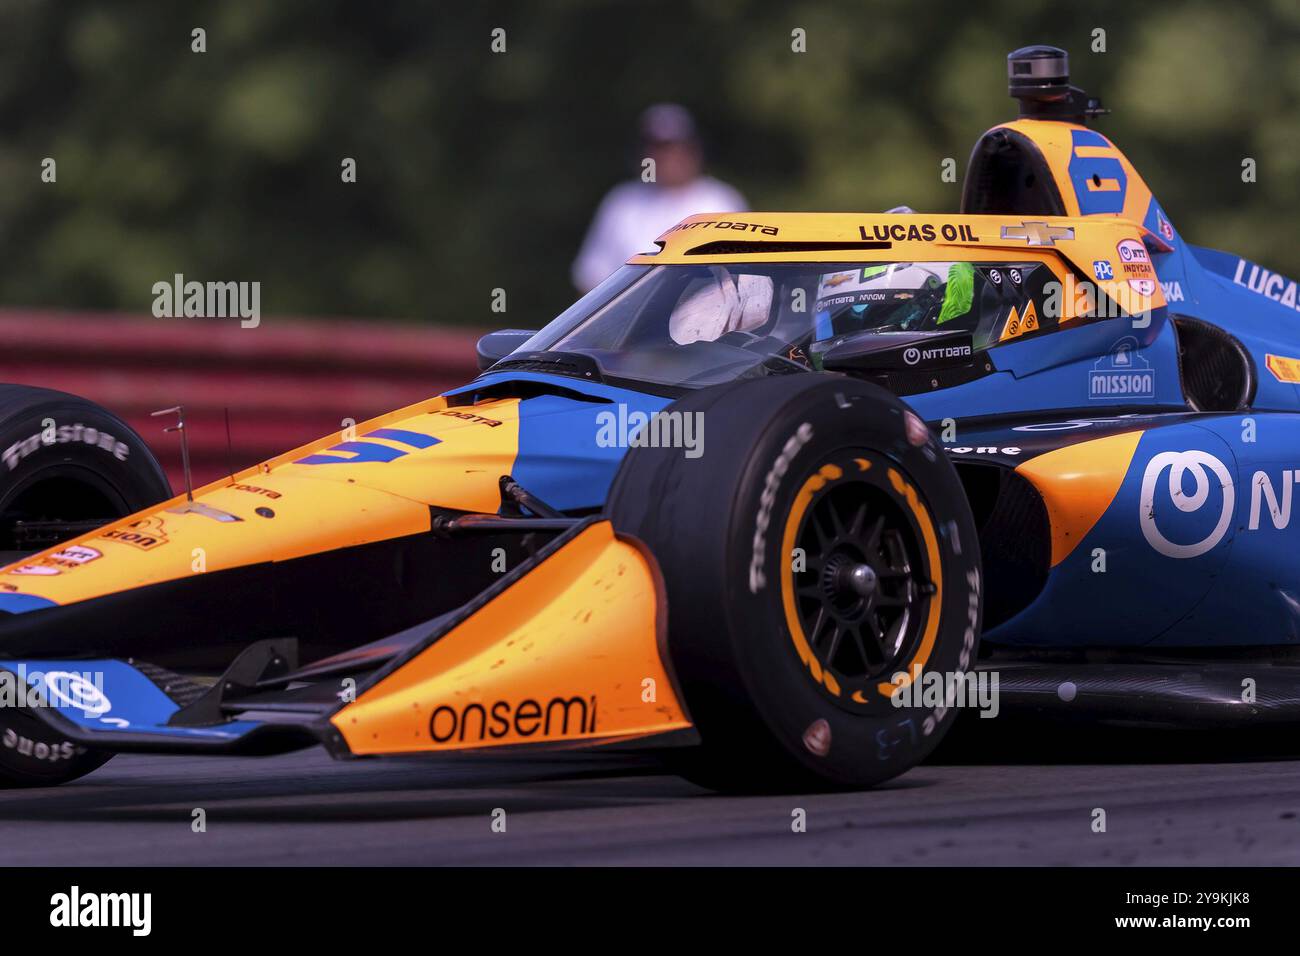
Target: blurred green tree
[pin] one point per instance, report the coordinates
(478, 170)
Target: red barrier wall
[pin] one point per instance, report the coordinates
(286, 382)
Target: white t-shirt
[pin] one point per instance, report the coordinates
(634, 214)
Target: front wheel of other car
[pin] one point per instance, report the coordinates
(822, 571)
(66, 466)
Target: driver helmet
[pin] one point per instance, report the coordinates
(911, 295)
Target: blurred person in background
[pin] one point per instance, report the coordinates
(633, 213)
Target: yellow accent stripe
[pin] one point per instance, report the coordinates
(1078, 483)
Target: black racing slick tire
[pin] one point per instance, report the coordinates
(822, 569)
(33, 755)
(64, 459)
(65, 463)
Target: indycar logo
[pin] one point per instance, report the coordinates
(1135, 265)
(1198, 466)
(37, 568)
(71, 556)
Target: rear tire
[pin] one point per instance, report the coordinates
(820, 506)
(62, 459)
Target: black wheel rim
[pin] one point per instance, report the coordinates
(862, 592)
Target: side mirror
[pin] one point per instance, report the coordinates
(876, 353)
(495, 346)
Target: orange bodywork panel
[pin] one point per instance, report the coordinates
(1078, 483)
(572, 650)
(371, 483)
(1054, 140)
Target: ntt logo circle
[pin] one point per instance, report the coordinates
(912, 355)
(1198, 465)
(73, 690)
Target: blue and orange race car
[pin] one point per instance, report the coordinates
(769, 500)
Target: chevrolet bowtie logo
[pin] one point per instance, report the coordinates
(1038, 233)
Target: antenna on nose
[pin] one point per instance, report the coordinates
(179, 412)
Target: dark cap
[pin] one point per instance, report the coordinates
(667, 123)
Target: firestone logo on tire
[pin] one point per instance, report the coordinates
(1198, 466)
(54, 434)
(757, 575)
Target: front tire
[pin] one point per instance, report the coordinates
(66, 460)
(65, 463)
(819, 546)
(33, 755)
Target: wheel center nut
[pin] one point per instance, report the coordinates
(862, 579)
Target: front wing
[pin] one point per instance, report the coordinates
(567, 650)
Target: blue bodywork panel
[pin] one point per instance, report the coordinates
(110, 697)
(561, 458)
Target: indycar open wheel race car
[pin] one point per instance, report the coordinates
(763, 501)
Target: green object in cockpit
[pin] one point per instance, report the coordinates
(960, 292)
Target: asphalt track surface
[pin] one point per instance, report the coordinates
(1210, 808)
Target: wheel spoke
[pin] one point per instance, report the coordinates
(815, 522)
(873, 539)
(887, 642)
(837, 526)
(827, 523)
(835, 646)
(862, 649)
(859, 518)
(878, 635)
(817, 625)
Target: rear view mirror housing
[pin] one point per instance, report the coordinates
(495, 346)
